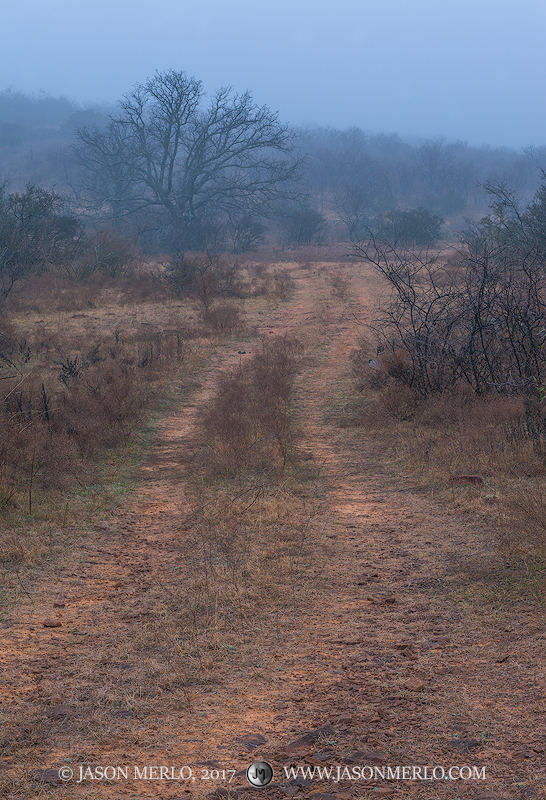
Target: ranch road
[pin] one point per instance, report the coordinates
(392, 652)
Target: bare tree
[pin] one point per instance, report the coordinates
(35, 234)
(183, 165)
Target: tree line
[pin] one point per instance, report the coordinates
(176, 170)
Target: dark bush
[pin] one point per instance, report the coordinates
(206, 277)
(413, 227)
(304, 225)
(35, 234)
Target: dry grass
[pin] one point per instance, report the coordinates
(248, 428)
(252, 538)
(224, 318)
(499, 439)
(250, 550)
(240, 559)
(77, 389)
(64, 402)
(341, 285)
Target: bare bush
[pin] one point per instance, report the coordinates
(206, 277)
(224, 318)
(61, 408)
(284, 285)
(482, 326)
(107, 251)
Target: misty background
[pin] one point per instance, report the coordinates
(470, 70)
(394, 105)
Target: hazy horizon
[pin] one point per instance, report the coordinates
(465, 71)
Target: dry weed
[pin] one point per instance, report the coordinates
(500, 440)
(224, 318)
(249, 427)
(340, 284)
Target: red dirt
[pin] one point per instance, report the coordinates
(406, 639)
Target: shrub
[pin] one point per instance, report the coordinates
(108, 252)
(205, 277)
(223, 318)
(246, 233)
(60, 408)
(413, 227)
(304, 225)
(283, 285)
(35, 234)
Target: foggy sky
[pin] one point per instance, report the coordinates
(471, 70)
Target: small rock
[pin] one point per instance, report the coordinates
(221, 792)
(522, 755)
(323, 796)
(124, 713)
(52, 623)
(50, 776)
(414, 685)
(253, 740)
(464, 745)
(489, 796)
(299, 781)
(476, 480)
(310, 737)
(365, 757)
(59, 711)
(316, 762)
(19, 735)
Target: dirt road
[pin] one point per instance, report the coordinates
(400, 649)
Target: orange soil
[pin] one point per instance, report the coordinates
(393, 642)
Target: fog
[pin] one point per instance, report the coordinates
(470, 70)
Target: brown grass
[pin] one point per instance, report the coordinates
(224, 318)
(249, 427)
(496, 440)
(341, 285)
(77, 389)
